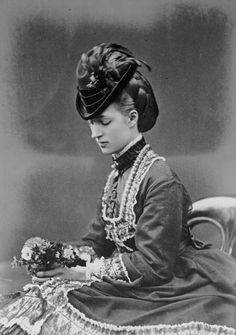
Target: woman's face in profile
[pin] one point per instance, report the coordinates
(111, 130)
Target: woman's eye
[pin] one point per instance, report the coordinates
(105, 123)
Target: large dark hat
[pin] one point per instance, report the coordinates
(103, 72)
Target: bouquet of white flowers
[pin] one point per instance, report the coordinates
(38, 253)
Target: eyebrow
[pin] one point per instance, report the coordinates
(100, 117)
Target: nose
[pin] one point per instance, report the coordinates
(96, 131)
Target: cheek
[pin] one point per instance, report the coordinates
(121, 136)
(118, 130)
(121, 127)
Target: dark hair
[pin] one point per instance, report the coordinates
(138, 95)
(125, 102)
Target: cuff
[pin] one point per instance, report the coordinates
(113, 268)
(86, 253)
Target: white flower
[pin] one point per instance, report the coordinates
(68, 252)
(57, 254)
(26, 253)
(33, 241)
(85, 256)
(47, 244)
(77, 251)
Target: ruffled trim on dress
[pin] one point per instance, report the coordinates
(122, 227)
(42, 307)
(45, 309)
(112, 267)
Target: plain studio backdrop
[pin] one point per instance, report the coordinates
(51, 171)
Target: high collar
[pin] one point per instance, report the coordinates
(125, 159)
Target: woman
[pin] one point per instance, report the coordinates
(146, 274)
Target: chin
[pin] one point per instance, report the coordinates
(110, 151)
(106, 151)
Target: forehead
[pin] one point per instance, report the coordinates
(112, 111)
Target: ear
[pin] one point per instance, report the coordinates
(133, 117)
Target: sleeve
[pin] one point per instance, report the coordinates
(157, 239)
(96, 236)
(157, 236)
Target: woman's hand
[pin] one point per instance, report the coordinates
(73, 273)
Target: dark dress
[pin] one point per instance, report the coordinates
(155, 278)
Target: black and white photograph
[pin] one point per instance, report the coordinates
(118, 167)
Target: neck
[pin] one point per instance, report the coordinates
(127, 147)
(125, 159)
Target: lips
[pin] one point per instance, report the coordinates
(102, 142)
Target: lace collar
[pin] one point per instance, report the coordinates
(125, 159)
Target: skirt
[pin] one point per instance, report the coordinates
(199, 299)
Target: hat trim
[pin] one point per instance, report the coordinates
(94, 103)
(85, 96)
(90, 100)
(110, 97)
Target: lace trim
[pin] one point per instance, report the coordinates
(112, 267)
(41, 304)
(191, 328)
(45, 309)
(122, 227)
(126, 160)
(86, 253)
